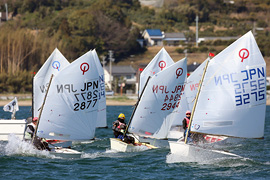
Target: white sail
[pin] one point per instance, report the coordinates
(159, 99)
(232, 101)
(193, 83)
(161, 61)
(188, 96)
(71, 108)
(54, 64)
(102, 115)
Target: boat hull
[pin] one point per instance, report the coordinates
(16, 127)
(118, 145)
(65, 153)
(59, 143)
(193, 153)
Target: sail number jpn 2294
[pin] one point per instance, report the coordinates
(172, 97)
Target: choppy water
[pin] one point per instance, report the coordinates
(19, 161)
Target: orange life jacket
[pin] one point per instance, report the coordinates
(187, 121)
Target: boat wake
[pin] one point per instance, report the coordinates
(15, 146)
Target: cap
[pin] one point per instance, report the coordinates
(188, 112)
(35, 118)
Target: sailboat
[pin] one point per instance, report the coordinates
(70, 109)
(13, 125)
(53, 65)
(230, 100)
(187, 103)
(160, 97)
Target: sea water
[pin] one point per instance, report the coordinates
(18, 160)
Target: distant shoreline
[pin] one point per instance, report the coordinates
(109, 102)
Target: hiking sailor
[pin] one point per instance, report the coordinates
(30, 130)
(38, 142)
(186, 123)
(119, 127)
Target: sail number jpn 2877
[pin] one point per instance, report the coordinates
(85, 97)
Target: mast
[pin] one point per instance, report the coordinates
(196, 99)
(42, 108)
(33, 98)
(136, 105)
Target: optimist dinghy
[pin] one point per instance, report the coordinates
(159, 98)
(230, 99)
(55, 63)
(70, 109)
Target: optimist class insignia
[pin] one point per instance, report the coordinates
(162, 65)
(56, 65)
(178, 72)
(243, 54)
(84, 67)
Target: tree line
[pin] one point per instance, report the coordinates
(37, 27)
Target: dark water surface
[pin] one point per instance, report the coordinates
(99, 162)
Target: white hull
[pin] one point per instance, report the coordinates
(65, 153)
(16, 127)
(193, 153)
(118, 145)
(160, 143)
(59, 143)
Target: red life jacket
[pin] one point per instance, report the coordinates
(119, 124)
(187, 121)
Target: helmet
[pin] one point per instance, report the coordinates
(35, 118)
(121, 116)
(188, 112)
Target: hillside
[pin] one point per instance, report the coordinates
(35, 28)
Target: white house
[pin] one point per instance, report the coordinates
(153, 37)
(127, 74)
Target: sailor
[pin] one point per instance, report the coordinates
(30, 130)
(119, 126)
(39, 143)
(186, 123)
